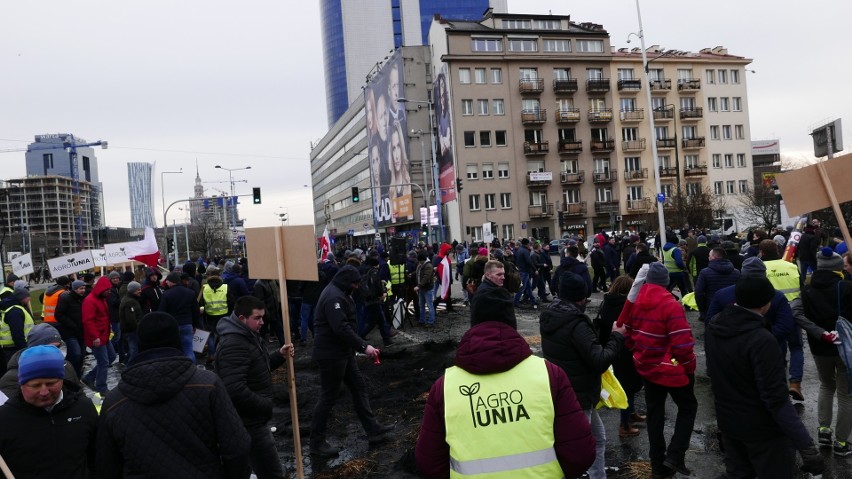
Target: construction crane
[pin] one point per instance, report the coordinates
(69, 143)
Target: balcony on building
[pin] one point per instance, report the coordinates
(567, 115)
(539, 178)
(533, 117)
(531, 85)
(601, 146)
(574, 209)
(598, 85)
(541, 211)
(663, 84)
(636, 175)
(605, 176)
(630, 85)
(668, 172)
(600, 115)
(565, 86)
(572, 178)
(531, 148)
(666, 143)
(688, 84)
(633, 145)
(693, 113)
(695, 170)
(640, 205)
(691, 143)
(570, 147)
(633, 114)
(610, 206)
(664, 114)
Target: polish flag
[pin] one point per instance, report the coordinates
(325, 243)
(146, 250)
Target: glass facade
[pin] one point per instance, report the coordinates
(453, 9)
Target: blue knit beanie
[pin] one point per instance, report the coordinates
(40, 362)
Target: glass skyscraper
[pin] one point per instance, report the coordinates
(140, 181)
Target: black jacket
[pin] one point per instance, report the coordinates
(334, 319)
(568, 340)
(69, 315)
(819, 300)
(246, 369)
(717, 275)
(572, 264)
(746, 370)
(151, 295)
(642, 257)
(129, 313)
(180, 302)
(168, 419)
(267, 290)
(735, 258)
(68, 430)
(623, 365)
(808, 247)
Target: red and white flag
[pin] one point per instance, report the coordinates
(325, 243)
(145, 251)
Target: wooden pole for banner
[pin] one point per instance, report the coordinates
(291, 371)
(5, 468)
(835, 206)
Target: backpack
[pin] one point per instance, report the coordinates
(371, 287)
(512, 280)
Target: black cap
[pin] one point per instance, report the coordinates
(754, 292)
(158, 330)
(493, 304)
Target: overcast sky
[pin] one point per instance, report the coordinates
(241, 83)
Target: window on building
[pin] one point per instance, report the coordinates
(723, 103)
(538, 198)
(600, 134)
(739, 132)
(735, 76)
(464, 76)
(505, 200)
(508, 231)
(533, 136)
(687, 102)
(567, 134)
(741, 160)
(517, 24)
(634, 193)
(469, 139)
(482, 106)
(557, 45)
(668, 189)
(684, 74)
(488, 171)
(730, 187)
(570, 166)
(48, 160)
(711, 76)
(691, 161)
(594, 73)
(496, 76)
(472, 172)
(723, 76)
(711, 104)
(628, 104)
(485, 138)
(502, 170)
(480, 76)
(467, 107)
(726, 132)
(688, 132)
(601, 165)
(693, 189)
(489, 201)
(548, 25)
(717, 188)
(500, 138)
(665, 161)
(603, 193)
(655, 74)
(632, 163)
(535, 166)
(476, 232)
(486, 44)
(572, 195)
(561, 73)
(661, 132)
(729, 160)
(743, 186)
(658, 103)
(523, 45)
(590, 46)
(736, 103)
(473, 202)
(717, 160)
(497, 107)
(565, 104)
(714, 132)
(625, 73)
(528, 73)
(629, 134)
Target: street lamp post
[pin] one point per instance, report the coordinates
(232, 199)
(425, 186)
(165, 225)
(435, 182)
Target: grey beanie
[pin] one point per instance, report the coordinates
(21, 293)
(76, 284)
(780, 240)
(754, 267)
(43, 333)
(828, 260)
(657, 274)
(114, 274)
(133, 287)
(702, 239)
(21, 284)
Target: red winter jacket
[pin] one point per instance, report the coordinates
(96, 313)
(493, 347)
(657, 333)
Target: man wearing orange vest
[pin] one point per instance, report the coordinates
(51, 299)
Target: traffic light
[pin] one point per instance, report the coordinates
(171, 243)
(355, 197)
(256, 195)
(458, 185)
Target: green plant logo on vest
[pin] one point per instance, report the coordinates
(496, 408)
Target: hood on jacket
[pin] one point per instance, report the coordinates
(232, 325)
(734, 321)
(345, 277)
(156, 375)
(568, 262)
(215, 282)
(650, 296)
(559, 314)
(491, 347)
(722, 266)
(102, 284)
(445, 249)
(9, 301)
(824, 279)
(52, 289)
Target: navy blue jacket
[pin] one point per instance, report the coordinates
(780, 315)
(569, 263)
(717, 275)
(180, 302)
(613, 261)
(523, 260)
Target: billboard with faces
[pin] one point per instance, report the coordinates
(444, 153)
(387, 145)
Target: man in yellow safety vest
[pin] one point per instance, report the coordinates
(15, 325)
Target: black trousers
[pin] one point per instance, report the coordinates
(333, 374)
(263, 456)
(774, 457)
(687, 408)
(599, 281)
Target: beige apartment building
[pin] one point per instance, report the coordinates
(552, 131)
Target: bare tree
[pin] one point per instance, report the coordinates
(208, 235)
(759, 206)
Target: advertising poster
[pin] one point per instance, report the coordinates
(444, 155)
(71, 263)
(387, 143)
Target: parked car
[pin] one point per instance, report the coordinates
(556, 246)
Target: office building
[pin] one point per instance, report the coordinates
(358, 34)
(140, 180)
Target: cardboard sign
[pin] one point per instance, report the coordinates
(115, 253)
(72, 263)
(99, 257)
(298, 248)
(803, 190)
(199, 340)
(23, 264)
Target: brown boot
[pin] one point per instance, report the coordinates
(636, 417)
(627, 431)
(796, 391)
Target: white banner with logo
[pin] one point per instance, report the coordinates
(117, 252)
(23, 264)
(71, 263)
(487, 234)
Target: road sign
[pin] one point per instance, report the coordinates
(378, 237)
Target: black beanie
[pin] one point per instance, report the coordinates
(754, 292)
(493, 304)
(572, 287)
(158, 330)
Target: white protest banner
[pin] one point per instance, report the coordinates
(199, 340)
(116, 252)
(99, 257)
(71, 263)
(23, 264)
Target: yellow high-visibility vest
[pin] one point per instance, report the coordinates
(6, 340)
(215, 301)
(784, 277)
(669, 261)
